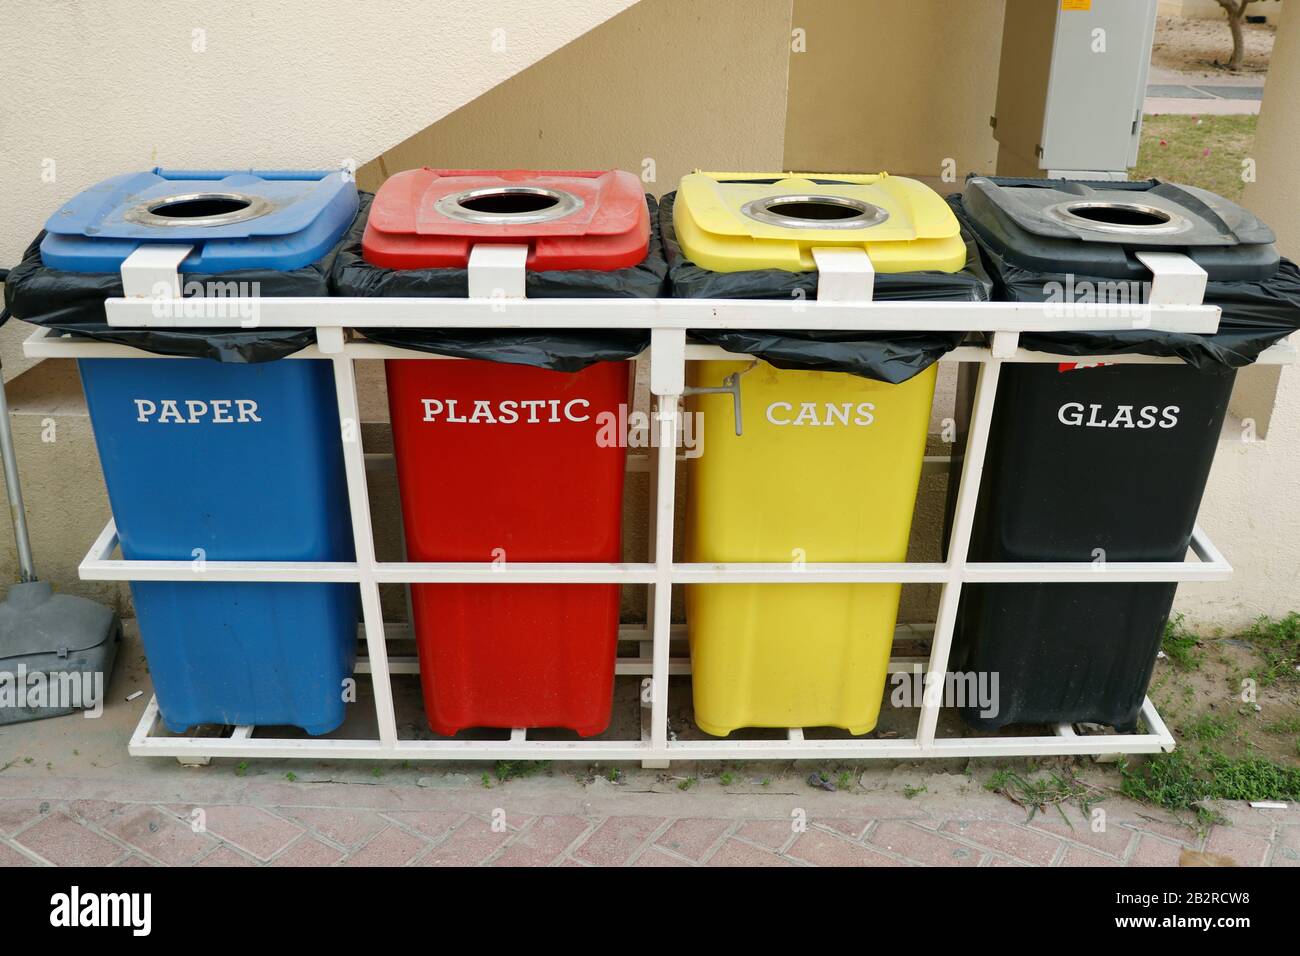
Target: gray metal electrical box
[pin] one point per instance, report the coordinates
(1071, 84)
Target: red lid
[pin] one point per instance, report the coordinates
(430, 218)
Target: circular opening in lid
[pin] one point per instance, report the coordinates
(507, 203)
(198, 209)
(1130, 218)
(515, 205)
(1119, 214)
(814, 212)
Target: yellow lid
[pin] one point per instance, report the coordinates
(733, 222)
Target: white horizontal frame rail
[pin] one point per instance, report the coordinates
(48, 343)
(496, 300)
(98, 565)
(682, 314)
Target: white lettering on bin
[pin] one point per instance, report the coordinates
(532, 411)
(1119, 416)
(830, 413)
(195, 411)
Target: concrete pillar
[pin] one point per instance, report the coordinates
(1275, 194)
(1250, 505)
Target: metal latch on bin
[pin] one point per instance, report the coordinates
(730, 386)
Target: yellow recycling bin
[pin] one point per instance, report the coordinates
(825, 468)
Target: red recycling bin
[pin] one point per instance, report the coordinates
(510, 463)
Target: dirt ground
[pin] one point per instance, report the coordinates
(1199, 692)
(1197, 48)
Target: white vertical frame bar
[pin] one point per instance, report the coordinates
(972, 469)
(331, 342)
(667, 380)
(665, 499)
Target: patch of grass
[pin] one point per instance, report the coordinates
(725, 778)
(1051, 789)
(910, 791)
(1180, 645)
(1208, 727)
(1277, 643)
(1181, 781)
(291, 776)
(845, 781)
(241, 768)
(1205, 151)
(513, 769)
(686, 784)
(1287, 725)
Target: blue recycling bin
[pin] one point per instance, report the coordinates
(224, 461)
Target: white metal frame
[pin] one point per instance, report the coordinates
(496, 299)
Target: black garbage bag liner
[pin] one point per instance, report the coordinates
(74, 302)
(1256, 313)
(563, 350)
(892, 357)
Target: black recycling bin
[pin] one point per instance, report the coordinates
(1100, 462)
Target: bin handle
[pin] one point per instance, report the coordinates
(730, 386)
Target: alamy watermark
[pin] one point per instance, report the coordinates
(1110, 299)
(962, 689)
(23, 689)
(213, 299)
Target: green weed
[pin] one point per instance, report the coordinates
(1180, 645)
(1052, 789)
(1277, 642)
(1208, 727)
(513, 769)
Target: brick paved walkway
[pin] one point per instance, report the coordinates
(210, 817)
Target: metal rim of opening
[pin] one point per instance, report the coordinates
(199, 209)
(508, 205)
(1120, 218)
(832, 212)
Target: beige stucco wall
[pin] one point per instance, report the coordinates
(1250, 507)
(102, 88)
(894, 86)
(664, 88)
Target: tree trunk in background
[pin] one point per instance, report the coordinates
(1236, 10)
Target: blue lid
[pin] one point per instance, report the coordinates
(255, 219)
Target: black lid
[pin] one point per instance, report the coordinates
(1094, 228)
